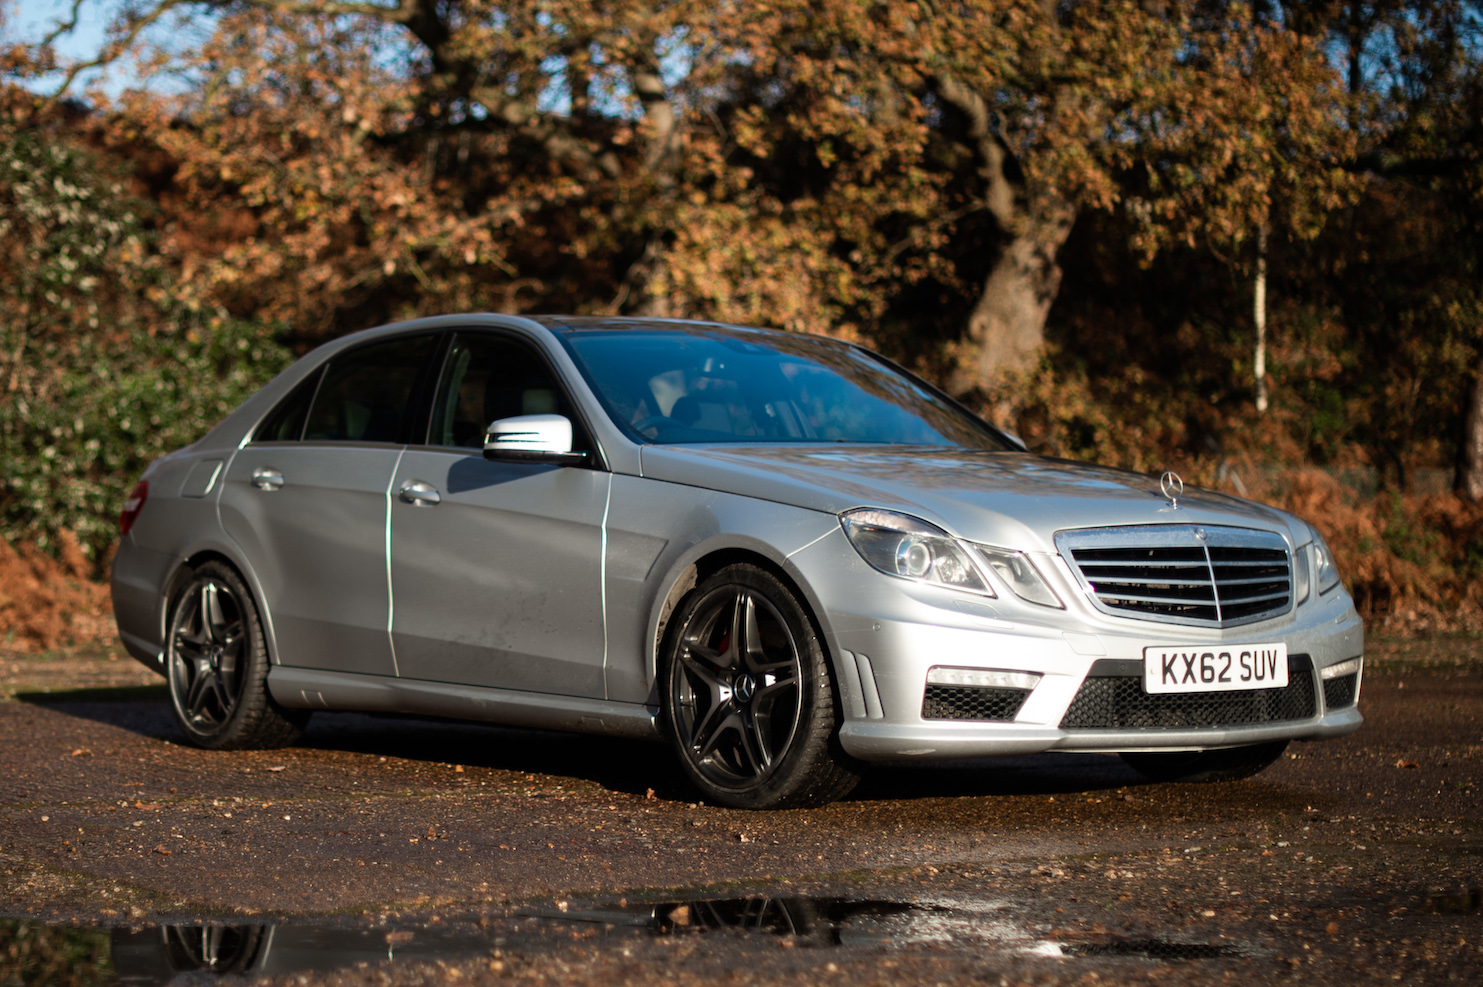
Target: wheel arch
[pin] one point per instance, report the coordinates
(687, 574)
(186, 569)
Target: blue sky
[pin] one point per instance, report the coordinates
(31, 20)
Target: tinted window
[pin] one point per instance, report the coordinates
(716, 384)
(286, 422)
(367, 393)
(487, 377)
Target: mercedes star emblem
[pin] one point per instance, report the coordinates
(1172, 486)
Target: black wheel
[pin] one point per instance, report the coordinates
(1227, 764)
(747, 696)
(217, 665)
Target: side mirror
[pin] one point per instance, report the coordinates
(532, 439)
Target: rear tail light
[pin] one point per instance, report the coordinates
(133, 506)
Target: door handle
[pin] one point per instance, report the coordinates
(267, 478)
(418, 493)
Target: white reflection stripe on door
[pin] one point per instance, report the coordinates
(386, 552)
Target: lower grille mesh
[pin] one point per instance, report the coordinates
(1340, 692)
(953, 702)
(1118, 702)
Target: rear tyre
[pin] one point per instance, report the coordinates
(1227, 764)
(748, 701)
(217, 666)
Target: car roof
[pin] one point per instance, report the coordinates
(567, 324)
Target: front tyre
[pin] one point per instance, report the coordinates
(748, 701)
(217, 666)
(1227, 764)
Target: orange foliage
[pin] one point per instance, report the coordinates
(49, 602)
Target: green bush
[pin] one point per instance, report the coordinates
(102, 368)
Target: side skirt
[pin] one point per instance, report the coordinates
(308, 688)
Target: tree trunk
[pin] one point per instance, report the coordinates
(1007, 325)
(1470, 463)
(1259, 316)
(1006, 329)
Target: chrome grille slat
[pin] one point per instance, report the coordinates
(1130, 580)
(1167, 572)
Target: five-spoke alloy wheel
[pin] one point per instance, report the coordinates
(748, 697)
(217, 666)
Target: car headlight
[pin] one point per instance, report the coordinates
(908, 547)
(1326, 574)
(1020, 575)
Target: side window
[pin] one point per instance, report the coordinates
(367, 394)
(487, 377)
(285, 423)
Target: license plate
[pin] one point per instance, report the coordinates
(1206, 669)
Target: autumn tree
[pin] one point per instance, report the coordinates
(793, 162)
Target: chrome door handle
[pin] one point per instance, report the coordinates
(267, 478)
(419, 493)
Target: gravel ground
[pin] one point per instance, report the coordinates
(482, 855)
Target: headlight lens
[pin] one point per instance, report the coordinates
(901, 545)
(1020, 575)
(1327, 576)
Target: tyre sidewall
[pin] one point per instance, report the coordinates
(788, 782)
(234, 732)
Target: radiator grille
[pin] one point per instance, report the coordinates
(1182, 573)
(952, 702)
(1118, 702)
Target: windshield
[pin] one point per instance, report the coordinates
(716, 384)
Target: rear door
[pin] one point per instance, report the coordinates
(307, 501)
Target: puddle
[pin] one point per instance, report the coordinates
(1153, 949)
(811, 921)
(33, 954)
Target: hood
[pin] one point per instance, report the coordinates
(1013, 499)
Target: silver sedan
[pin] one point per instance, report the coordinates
(780, 553)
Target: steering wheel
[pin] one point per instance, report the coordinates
(656, 422)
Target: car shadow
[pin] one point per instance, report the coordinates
(620, 765)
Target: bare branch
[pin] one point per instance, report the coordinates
(114, 48)
(64, 27)
(404, 12)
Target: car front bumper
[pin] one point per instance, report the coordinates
(886, 634)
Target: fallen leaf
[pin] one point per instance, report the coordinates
(277, 767)
(161, 850)
(82, 752)
(649, 795)
(147, 806)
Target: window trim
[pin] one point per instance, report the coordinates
(415, 401)
(599, 459)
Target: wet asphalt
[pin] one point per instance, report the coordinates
(395, 851)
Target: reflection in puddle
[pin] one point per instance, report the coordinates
(813, 921)
(34, 953)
